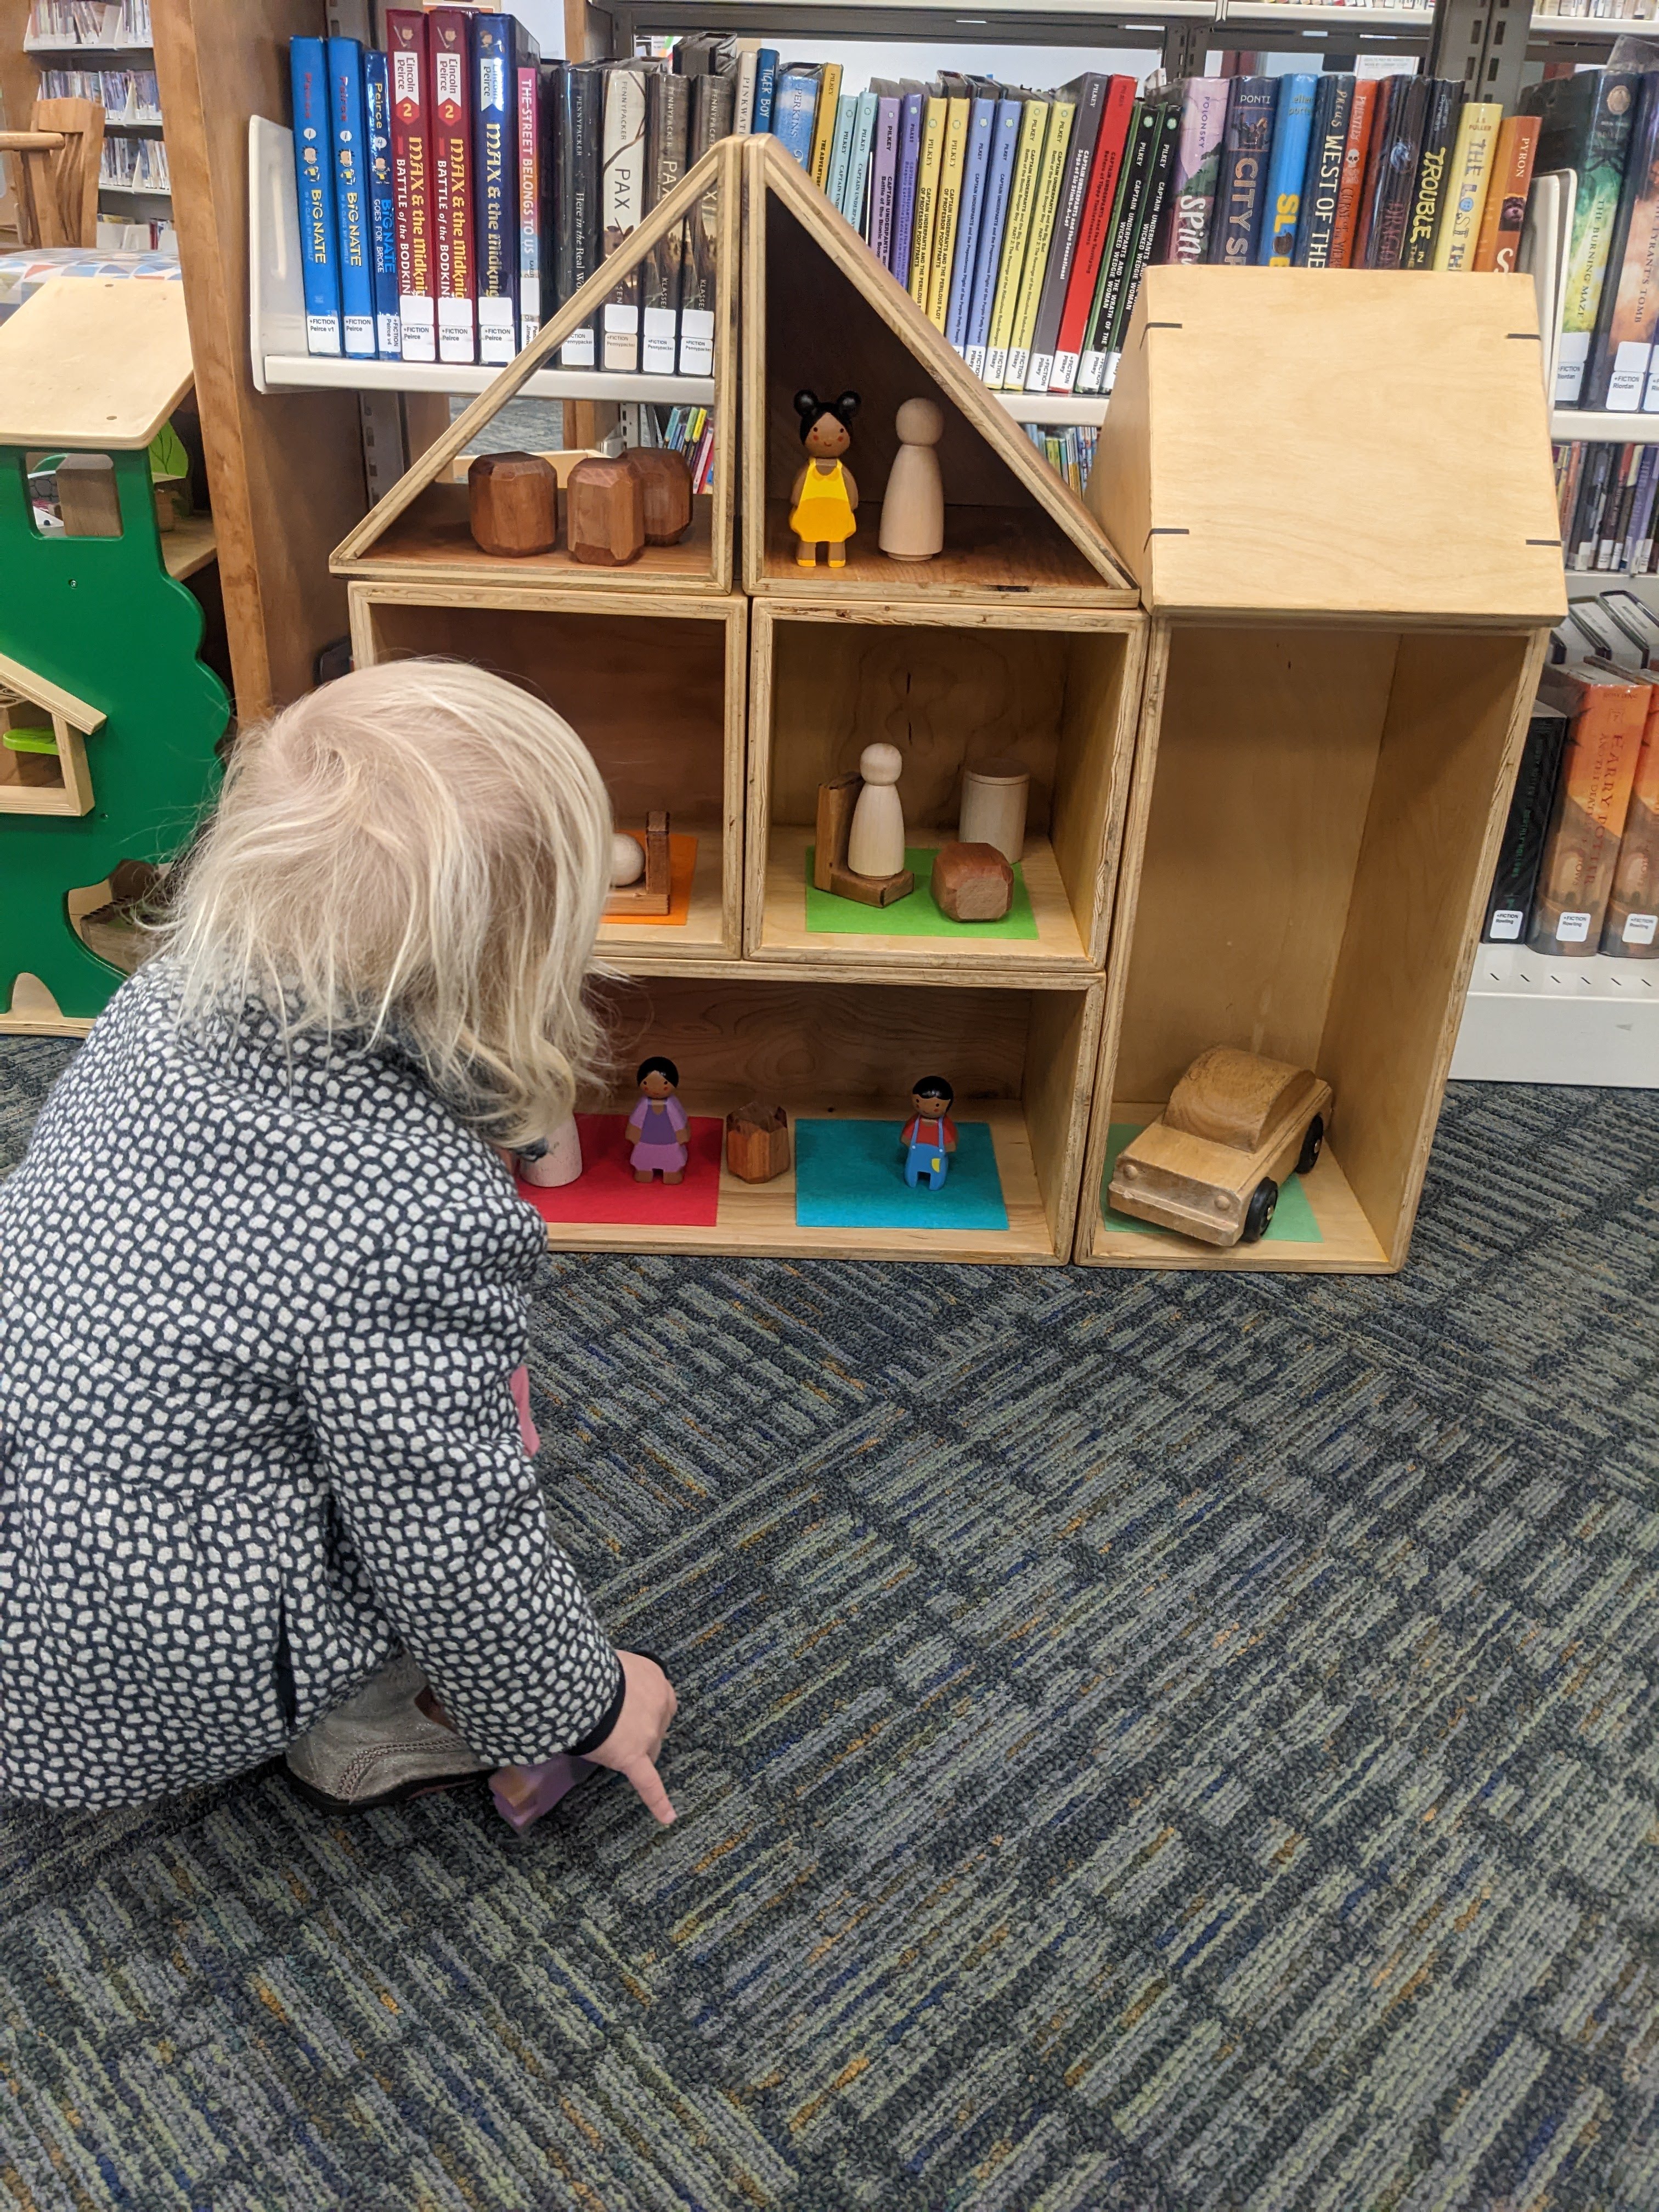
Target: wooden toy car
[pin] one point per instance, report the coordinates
(1235, 1126)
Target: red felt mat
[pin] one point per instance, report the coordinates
(605, 1189)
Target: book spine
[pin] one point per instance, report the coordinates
(1361, 114)
(748, 65)
(382, 207)
(452, 171)
(714, 106)
(1241, 187)
(948, 215)
(1630, 930)
(1440, 132)
(527, 100)
(1477, 137)
(1399, 172)
(1640, 534)
(766, 83)
(1286, 168)
(793, 108)
(854, 207)
(1067, 227)
(667, 136)
(1627, 320)
(823, 127)
(1318, 222)
(1510, 901)
(1600, 168)
(581, 234)
(905, 187)
(313, 176)
(1162, 161)
(994, 222)
(927, 211)
(1115, 265)
(1016, 239)
(1039, 250)
(1094, 231)
(977, 161)
(884, 180)
(495, 256)
(1587, 821)
(841, 152)
(412, 182)
(352, 226)
(1506, 202)
(1387, 91)
(622, 198)
(1191, 203)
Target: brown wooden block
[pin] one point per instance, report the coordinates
(604, 513)
(757, 1142)
(665, 485)
(653, 892)
(86, 496)
(513, 503)
(972, 883)
(836, 801)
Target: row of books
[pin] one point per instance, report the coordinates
(1578, 866)
(1021, 222)
(126, 95)
(136, 165)
(88, 23)
(1607, 495)
(1603, 125)
(1069, 450)
(690, 431)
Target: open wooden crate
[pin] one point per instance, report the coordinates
(1057, 690)
(654, 684)
(1021, 1062)
(1350, 611)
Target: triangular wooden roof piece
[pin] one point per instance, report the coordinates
(95, 362)
(357, 555)
(773, 172)
(41, 691)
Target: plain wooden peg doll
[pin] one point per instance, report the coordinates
(824, 494)
(913, 506)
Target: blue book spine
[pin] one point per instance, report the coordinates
(840, 151)
(382, 210)
(765, 86)
(904, 205)
(977, 161)
(353, 228)
(858, 166)
(1287, 169)
(313, 171)
(494, 198)
(988, 256)
(793, 107)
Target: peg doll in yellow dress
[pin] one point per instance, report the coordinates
(824, 495)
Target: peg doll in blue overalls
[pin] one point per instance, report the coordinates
(929, 1137)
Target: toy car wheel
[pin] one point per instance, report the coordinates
(1259, 1212)
(1312, 1144)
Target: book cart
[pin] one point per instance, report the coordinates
(1335, 489)
(725, 705)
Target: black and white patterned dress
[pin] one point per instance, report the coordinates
(259, 1312)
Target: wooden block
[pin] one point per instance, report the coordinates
(604, 513)
(666, 486)
(86, 496)
(836, 801)
(513, 504)
(758, 1142)
(651, 894)
(972, 883)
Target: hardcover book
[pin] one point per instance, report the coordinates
(883, 177)
(1397, 171)
(1167, 129)
(905, 187)
(578, 240)
(1510, 901)
(1470, 175)
(352, 227)
(766, 79)
(855, 205)
(1316, 224)
(494, 115)
(1627, 319)
(1088, 94)
(1506, 202)
(667, 138)
(1586, 120)
(948, 212)
(451, 179)
(1630, 930)
(1351, 190)
(313, 170)
(621, 203)
(1186, 228)
(713, 111)
(1608, 717)
(1440, 133)
(1115, 262)
(1040, 245)
(840, 150)
(1242, 183)
(1016, 237)
(533, 181)
(748, 67)
(382, 206)
(823, 123)
(934, 110)
(992, 225)
(976, 164)
(411, 183)
(1287, 165)
(1094, 232)
(794, 105)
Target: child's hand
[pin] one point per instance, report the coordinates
(631, 1748)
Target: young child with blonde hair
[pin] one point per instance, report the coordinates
(263, 1280)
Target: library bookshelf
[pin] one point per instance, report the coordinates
(1350, 604)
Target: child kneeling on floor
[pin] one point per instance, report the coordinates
(263, 1281)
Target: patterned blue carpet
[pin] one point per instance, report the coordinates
(1146, 1742)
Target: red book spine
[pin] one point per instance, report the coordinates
(411, 180)
(1353, 183)
(452, 173)
(1091, 231)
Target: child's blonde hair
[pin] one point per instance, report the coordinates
(417, 852)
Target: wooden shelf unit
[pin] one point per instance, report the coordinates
(654, 686)
(950, 684)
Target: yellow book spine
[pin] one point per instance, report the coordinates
(1028, 159)
(823, 123)
(921, 237)
(950, 206)
(1460, 226)
(1050, 178)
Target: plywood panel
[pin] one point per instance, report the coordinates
(99, 363)
(1092, 773)
(1265, 749)
(1061, 1045)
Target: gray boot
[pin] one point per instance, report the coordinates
(378, 1747)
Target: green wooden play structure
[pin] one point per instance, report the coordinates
(98, 642)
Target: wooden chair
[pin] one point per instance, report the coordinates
(59, 158)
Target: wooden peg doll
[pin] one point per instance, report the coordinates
(929, 1137)
(824, 495)
(657, 1126)
(913, 506)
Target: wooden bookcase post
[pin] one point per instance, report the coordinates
(1335, 489)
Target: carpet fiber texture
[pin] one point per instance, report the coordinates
(1147, 1741)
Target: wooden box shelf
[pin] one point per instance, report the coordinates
(950, 685)
(655, 687)
(1021, 1062)
(820, 313)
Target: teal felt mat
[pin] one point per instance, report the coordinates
(850, 1174)
(1293, 1219)
(916, 916)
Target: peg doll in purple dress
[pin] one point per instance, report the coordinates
(657, 1126)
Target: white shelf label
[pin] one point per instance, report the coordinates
(1573, 928)
(1639, 928)
(495, 332)
(658, 353)
(418, 316)
(577, 351)
(1507, 923)
(698, 342)
(1570, 361)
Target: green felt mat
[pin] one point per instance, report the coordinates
(915, 916)
(1293, 1219)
